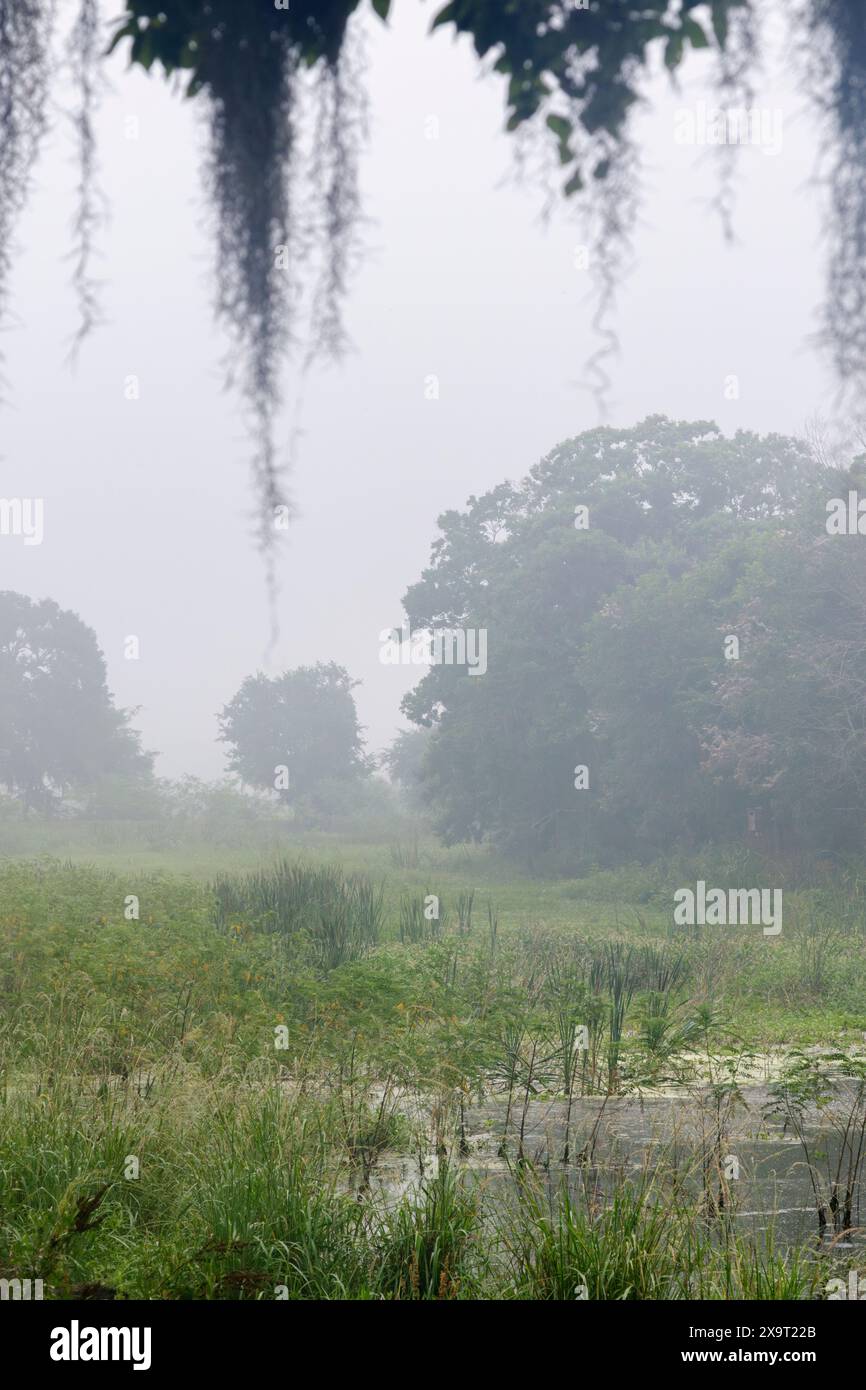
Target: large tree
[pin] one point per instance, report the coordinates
(295, 732)
(59, 727)
(605, 627)
(786, 724)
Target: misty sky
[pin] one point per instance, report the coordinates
(147, 503)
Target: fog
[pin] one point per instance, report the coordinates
(457, 892)
(147, 526)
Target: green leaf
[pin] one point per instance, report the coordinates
(445, 16)
(560, 126)
(574, 185)
(695, 33)
(720, 21)
(674, 51)
(143, 51)
(127, 31)
(382, 7)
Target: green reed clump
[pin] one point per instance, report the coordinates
(465, 903)
(338, 915)
(754, 1268)
(561, 1246)
(62, 1179)
(269, 1220)
(638, 1240)
(426, 1247)
(404, 856)
(417, 922)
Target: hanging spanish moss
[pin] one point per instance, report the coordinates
(736, 32)
(610, 220)
(603, 183)
(835, 51)
(599, 83)
(280, 207)
(340, 129)
(251, 118)
(285, 205)
(280, 83)
(85, 51)
(286, 216)
(25, 41)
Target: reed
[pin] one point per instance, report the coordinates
(338, 915)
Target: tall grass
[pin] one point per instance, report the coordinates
(428, 1248)
(416, 920)
(641, 1242)
(268, 1173)
(338, 915)
(559, 1248)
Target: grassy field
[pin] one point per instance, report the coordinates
(210, 1056)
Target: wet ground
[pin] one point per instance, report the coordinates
(668, 1136)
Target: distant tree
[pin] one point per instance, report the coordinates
(603, 581)
(294, 732)
(59, 728)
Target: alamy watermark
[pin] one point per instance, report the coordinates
(77, 1343)
(23, 516)
(446, 647)
(715, 907)
(25, 1290)
(846, 516)
(852, 1292)
(701, 124)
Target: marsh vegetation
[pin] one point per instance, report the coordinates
(284, 1080)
